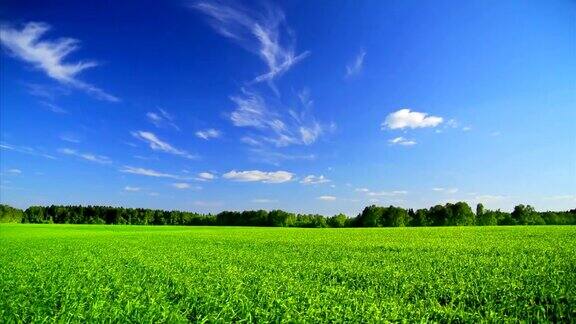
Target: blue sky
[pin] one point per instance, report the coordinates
(306, 106)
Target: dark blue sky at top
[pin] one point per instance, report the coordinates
(500, 74)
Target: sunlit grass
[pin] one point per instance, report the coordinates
(150, 274)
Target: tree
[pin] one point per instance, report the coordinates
(438, 216)
(479, 210)
(10, 214)
(451, 214)
(34, 214)
(371, 216)
(339, 220)
(487, 218)
(421, 218)
(394, 217)
(462, 214)
(281, 218)
(526, 215)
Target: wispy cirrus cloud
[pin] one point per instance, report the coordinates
(208, 134)
(273, 157)
(54, 108)
(275, 125)
(262, 32)
(405, 118)
(259, 176)
(327, 198)
(370, 193)
(26, 150)
(264, 200)
(265, 33)
(70, 137)
(158, 145)
(49, 56)
(250, 141)
(46, 91)
(387, 193)
(445, 190)
(355, 67)
(401, 141)
(312, 179)
(561, 197)
(147, 172)
(86, 156)
(161, 119)
(132, 189)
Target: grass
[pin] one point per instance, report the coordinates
(99, 273)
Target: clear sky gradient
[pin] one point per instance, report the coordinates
(307, 106)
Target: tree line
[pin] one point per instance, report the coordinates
(457, 214)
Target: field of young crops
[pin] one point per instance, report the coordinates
(171, 274)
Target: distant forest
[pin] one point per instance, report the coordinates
(458, 214)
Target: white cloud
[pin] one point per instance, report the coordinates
(561, 197)
(250, 141)
(208, 133)
(132, 189)
(67, 137)
(362, 190)
(387, 193)
(355, 66)
(49, 55)
(263, 201)
(147, 172)
(161, 118)
(181, 185)
(327, 198)
(53, 108)
(260, 176)
(14, 171)
(445, 190)
(25, 150)
(159, 145)
(308, 135)
(86, 156)
(275, 158)
(251, 111)
(205, 176)
(404, 118)
(453, 123)
(401, 141)
(265, 33)
(46, 91)
(466, 128)
(275, 125)
(203, 203)
(312, 179)
(259, 32)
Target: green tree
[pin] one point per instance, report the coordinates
(339, 220)
(462, 214)
(10, 214)
(371, 216)
(526, 215)
(281, 218)
(394, 217)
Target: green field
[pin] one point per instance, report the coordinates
(174, 274)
